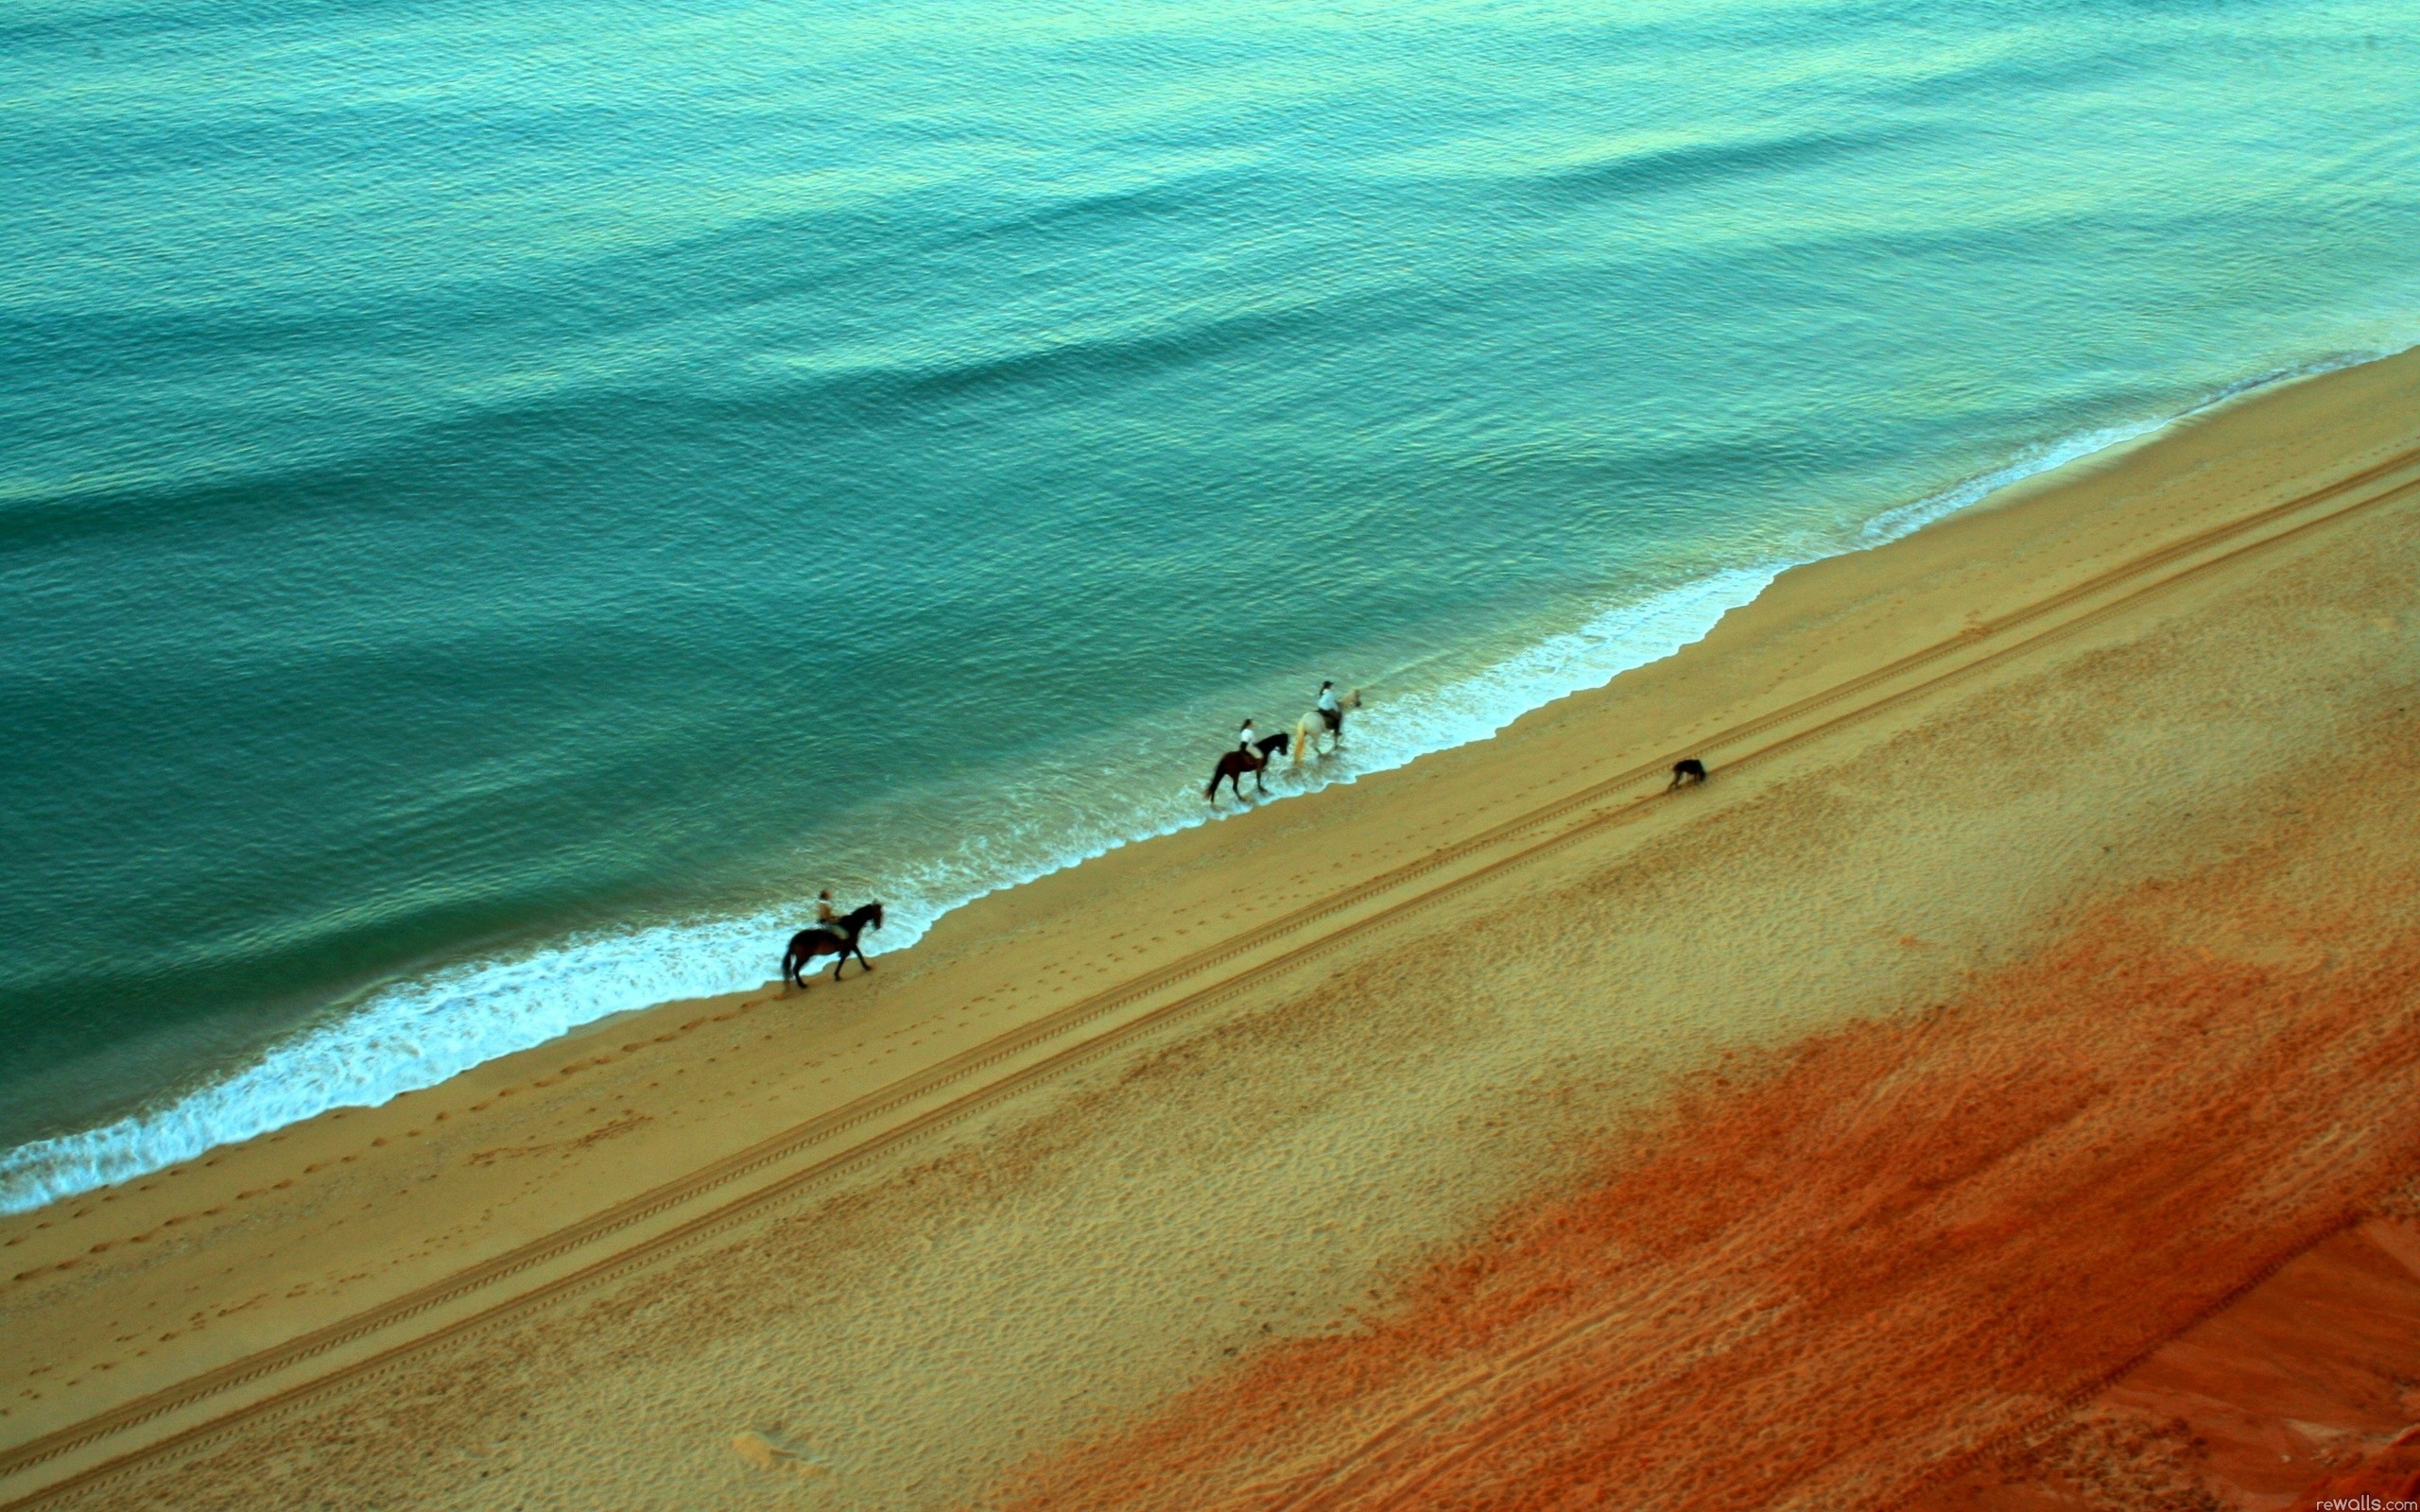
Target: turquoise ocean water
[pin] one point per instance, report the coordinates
(501, 502)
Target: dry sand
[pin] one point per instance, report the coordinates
(1996, 1087)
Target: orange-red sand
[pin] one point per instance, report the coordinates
(1857, 1272)
(2315, 1372)
(2376, 1487)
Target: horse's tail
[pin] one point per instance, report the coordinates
(1303, 737)
(1210, 793)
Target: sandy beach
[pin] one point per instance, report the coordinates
(1997, 1087)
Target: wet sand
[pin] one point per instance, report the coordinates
(2033, 985)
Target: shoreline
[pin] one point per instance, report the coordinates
(450, 1038)
(1351, 1028)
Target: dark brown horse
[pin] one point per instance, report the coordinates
(1232, 765)
(830, 939)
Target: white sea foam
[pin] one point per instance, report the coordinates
(1893, 524)
(416, 1034)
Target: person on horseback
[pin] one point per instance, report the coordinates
(836, 934)
(1330, 710)
(1245, 736)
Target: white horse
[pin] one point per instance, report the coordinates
(1309, 729)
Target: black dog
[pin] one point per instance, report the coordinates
(1688, 770)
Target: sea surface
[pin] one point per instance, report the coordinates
(501, 502)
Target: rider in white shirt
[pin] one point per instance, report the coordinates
(827, 913)
(1244, 737)
(1330, 710)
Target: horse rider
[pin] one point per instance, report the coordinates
(1244, 738)
(827, 913)
(1330, 710)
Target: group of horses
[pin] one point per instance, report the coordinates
(839, 937)
(1300, 741)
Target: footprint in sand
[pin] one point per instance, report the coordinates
(768, 1453)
